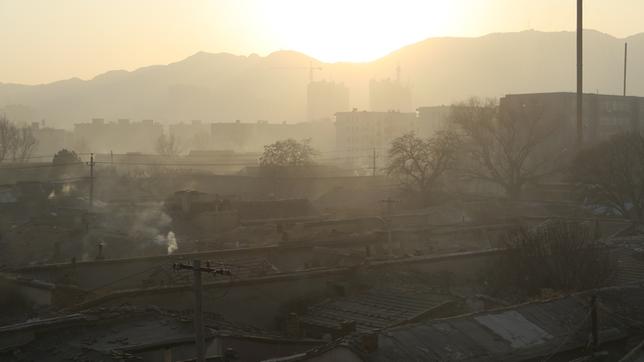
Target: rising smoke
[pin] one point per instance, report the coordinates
(169, 240)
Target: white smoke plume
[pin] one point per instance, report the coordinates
(170, 241)
(65, 190)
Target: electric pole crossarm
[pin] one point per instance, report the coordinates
(206, 269)
(197, 269)
(91, 164)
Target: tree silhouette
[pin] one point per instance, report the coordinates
(612, 174)
(288, 152)
(419, 163)
(508, 148)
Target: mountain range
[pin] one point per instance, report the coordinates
(224, 87)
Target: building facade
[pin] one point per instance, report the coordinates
(603, 115)
(433, 119)
(324, 99)
(121, 136)
(389, 95)
(360, 134)
(50, 140)
(194, 135)
(252, 137)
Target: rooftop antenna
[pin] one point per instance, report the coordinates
(625, 63)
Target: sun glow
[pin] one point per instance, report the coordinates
(341, 30)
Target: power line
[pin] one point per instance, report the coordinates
(174, 164)
(129, 276)
(49, 165)
(33, 157)
(197, 269)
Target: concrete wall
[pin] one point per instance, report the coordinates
(259, 303)
(33, 294)
(133, 273)
(264, 302)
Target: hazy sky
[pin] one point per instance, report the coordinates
(47, 40)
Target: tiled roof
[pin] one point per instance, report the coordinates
(517, 333)
(629, 266)
(376, 308)
(241, 267)
(102, 334)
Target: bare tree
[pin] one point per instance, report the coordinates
(24, 143)
(612, 174)
(7, 131)
(288, 152)
(168, 146)
(507, 148)
(419, 163)
(558, 255)
(16, 143)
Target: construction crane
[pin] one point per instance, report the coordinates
(311, 69)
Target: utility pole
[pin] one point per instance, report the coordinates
(200, 343)
(625, 63)
(389, 202)
(594, 323)
(91, 181)
(197, 269)
(580, 73)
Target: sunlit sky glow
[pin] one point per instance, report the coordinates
(47, 40)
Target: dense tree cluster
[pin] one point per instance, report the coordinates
(288, 152)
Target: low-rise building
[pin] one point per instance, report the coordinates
(361, 134)
(603, 115)
(191, 136)
(49, 140)
(139, 333)
(252, 137)
(324, 99)
(557, 329)
(433, 119)
(121, 136)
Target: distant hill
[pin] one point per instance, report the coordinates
(226, 87)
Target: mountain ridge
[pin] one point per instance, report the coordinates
(225, 87)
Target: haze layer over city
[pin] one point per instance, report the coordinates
(249, 180)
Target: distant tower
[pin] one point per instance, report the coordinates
(387, 95)
(324, 99)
